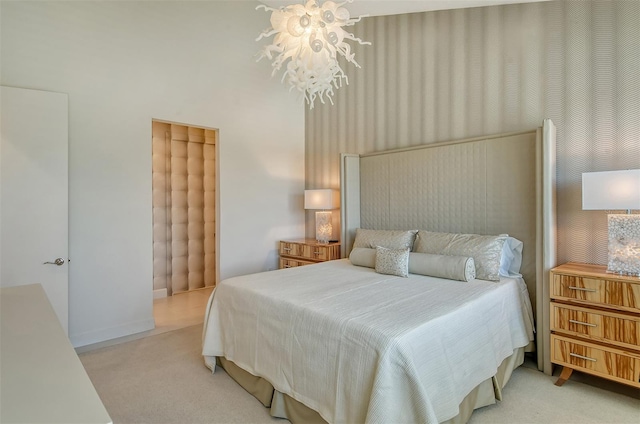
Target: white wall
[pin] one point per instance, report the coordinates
(123, 64)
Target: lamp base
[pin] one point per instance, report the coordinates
(624, 244)
(324, 229)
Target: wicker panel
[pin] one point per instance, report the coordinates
(161, 168)
(209, 208)
(184, 207)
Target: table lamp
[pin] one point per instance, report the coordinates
(323, 200)
(617, 190)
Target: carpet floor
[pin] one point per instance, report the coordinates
(162, 379)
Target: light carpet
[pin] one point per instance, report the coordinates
(162, 379)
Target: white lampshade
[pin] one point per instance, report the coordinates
(611, 190)
(617, 190)
(321, 199)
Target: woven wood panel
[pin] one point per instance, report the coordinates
(184, 207)
(448, 75)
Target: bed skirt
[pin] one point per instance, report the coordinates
(284, 406)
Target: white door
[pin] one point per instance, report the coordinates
(34, 193)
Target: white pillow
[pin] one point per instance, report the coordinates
(511, 259)
(363, 256)
(459, 268)
(392, 261)
(485, 250)
(391, 239)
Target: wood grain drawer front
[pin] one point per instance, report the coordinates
(594, 359)
(306, 252)
(317, 253)
(290, 249)
(618, 329)
(291, 263)
(600, 292)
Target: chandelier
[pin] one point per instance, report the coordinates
(308, 39)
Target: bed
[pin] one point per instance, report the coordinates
(346, 342)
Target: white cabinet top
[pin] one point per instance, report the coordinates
(41, 378)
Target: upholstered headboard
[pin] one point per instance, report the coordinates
(486, 185)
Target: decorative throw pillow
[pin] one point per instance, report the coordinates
(459, 268)
(392, 261)
(363, 256)
(391, 239)
(485, 250)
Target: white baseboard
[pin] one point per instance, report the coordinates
(91, 337)
(159, 293)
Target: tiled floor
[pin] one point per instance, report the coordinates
(180, 310)
(170, 313)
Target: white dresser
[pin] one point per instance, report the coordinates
(41, 378)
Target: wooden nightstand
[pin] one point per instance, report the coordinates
(595, 323)
(306, 252)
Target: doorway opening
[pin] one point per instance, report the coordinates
(185, 208)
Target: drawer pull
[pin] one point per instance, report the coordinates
(575, 355)
(573, 321)
(583, 289)
(286, 249)
(317, 252)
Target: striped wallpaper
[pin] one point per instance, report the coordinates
(446, 75)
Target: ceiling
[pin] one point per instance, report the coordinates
(396, 7)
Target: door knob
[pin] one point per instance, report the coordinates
(58, 261)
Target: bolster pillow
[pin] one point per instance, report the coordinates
(363, 256)
(459, 268)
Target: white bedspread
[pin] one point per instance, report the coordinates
(358, 346)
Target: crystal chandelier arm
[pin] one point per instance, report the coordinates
(266, 8)
(350, 36)
(266, 33)
(353, 21)
(267, 50)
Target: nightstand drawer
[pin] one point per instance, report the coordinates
(615, 364)
(291, 263)
(604, 293)
(609, 327)
(306, 251)
(318, 253)
(290, 249)
(595, 322)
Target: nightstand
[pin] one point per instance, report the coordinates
(306, 252)
(595, 323)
